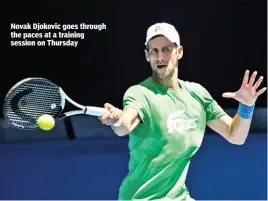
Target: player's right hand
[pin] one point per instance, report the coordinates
(112, 116)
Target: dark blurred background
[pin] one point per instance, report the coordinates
(221, 40)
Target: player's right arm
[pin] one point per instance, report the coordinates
(130, 119)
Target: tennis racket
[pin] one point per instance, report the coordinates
(30, 98)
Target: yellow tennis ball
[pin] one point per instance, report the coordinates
(46, 122)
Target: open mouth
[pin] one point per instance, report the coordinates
(161, 66)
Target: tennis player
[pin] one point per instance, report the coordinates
(165, 118)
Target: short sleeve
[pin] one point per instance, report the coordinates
(134, 97)
(212, 108)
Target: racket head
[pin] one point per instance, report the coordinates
(30, 98)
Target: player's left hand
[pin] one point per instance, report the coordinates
(248, 93)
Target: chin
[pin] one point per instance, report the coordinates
(163, 76)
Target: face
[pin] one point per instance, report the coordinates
(163, 56)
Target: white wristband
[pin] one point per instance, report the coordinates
(118, 123)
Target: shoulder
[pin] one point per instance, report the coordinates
(136, 95)
(135, 90)
(193, 86)
(198, 91)
(140, 88)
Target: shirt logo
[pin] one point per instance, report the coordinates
(177, 123)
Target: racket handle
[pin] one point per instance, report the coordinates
(97, 111)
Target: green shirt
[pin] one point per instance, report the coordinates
(171, 132)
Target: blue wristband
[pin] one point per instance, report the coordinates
(244, 111)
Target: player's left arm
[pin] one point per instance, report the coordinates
(235, 129)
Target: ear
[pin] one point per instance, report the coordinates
(179, 52)
(146, 55)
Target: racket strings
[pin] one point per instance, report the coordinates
(43, 98)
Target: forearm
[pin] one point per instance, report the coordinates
(240, 124)
(239, 129)
(120, 131)
(125, 127)
(130, 120)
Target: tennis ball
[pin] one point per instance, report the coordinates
(46, 122)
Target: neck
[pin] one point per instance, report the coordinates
(171, 81)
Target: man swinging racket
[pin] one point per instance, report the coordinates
(165, 118)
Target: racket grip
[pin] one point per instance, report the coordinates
(96, 111)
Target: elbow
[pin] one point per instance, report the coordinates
(121, 134)
(237, 140)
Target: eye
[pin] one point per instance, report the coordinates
(153, 51)
(166, 49)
